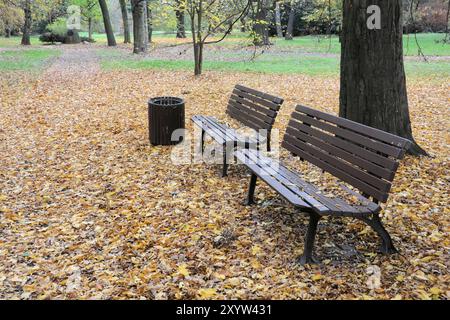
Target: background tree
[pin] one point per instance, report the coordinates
(126, 25)
(325, 16)
(180, 15)
(27, 23)
(107, 22)
(290, 7)
(140, 32)
(278, 20)
(149, 22)
(11, 18)
(212, 18)
(90, 13)
(260, 10)
(373, 82)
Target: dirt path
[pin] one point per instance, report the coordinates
(77, 59)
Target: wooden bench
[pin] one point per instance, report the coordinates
(252, 108)
(361, 156)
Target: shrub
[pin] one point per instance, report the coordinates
(59, 27)
(86, 39)
(51, 37)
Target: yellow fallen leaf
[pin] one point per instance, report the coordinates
(317, 277)
(182, 270)
(207, 293)
(400, 278)
(435, 291)
(255, 264)
(256, 250)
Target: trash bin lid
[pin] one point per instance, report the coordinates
(166, 101)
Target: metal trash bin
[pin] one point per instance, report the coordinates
(165, 115)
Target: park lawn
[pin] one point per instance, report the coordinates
(430, 43)
(307, 65)
(26, 59)
(15, 41)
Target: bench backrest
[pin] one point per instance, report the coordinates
(362, 156)
(253, 108)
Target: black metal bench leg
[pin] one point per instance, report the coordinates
(307, 256)
(225, 162)
(251, 191)
(387, 246)
(202, 145)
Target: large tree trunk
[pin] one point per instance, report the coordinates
(373, 82)
(278, 20)
(290, 25)
(140, 35)
(27, 23)
(8, 32)
(261, 25)
(179, 12)
(126, 25)
(107, 22)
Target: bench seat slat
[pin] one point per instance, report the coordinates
(288, 194)
(274, 170)
(293, 178)
(202, 122)
(229, 133)
(222, 134)
(288, 184)
(336, 204)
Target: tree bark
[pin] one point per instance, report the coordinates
(243, 24)
(278, 20)
(126, 25)
(107, 22)
(90, 28)
(27, 23)
(140, 34)
(261, 25)
(149, 22)
(8, 32)
(290, 25)
(179, 12)
(373, 81)
(196, 23)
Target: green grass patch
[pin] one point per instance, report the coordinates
(27, 60)
(310, 65)
(430, 43)
(314, 66)
(15, 41)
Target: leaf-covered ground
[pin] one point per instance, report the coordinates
(88, 209)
